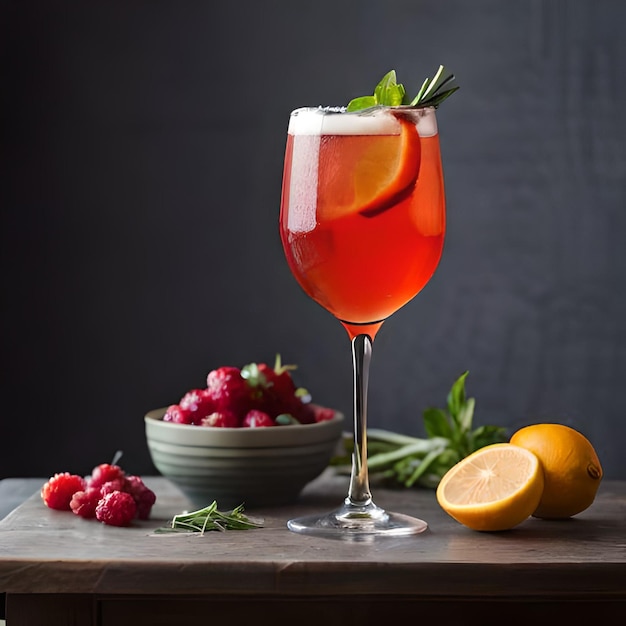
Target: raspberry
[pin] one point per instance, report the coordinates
(301, 411)
(105, 473)
(221, 419)
(84, 503)
(175, 413)
(279, 395)
(144, 497)
(257, 419)
(112, 485)
(199, 402)
(292, 406)
(229, 390)
(117, 508)
(58, 491)
(323, 414)
(280, 381)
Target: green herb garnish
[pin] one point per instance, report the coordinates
(389, 92)
(406, 461)
(210, 518)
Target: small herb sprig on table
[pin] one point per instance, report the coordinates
(389, 92)
(210, 518)
(403, 460)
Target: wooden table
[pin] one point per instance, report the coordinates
(56, 568)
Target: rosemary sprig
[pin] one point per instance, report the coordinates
(210, 518)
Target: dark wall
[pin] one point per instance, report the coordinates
(141, 148)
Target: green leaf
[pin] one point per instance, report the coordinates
(442, 82)
(433, 86)
(420, 93)
(388, 92)
(286, 419)
(436, 423)
(441, 96)
(394, 96)
(364, 102)
(422, 467)
(438, 468)
(254, 376)
(486, 435)
(388, 436)
(466, 415)
(380, 90)
(456, 397)
(420, 447)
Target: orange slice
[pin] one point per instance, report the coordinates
(367, 173)
(495, 488)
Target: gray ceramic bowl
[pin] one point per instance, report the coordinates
(250, 466)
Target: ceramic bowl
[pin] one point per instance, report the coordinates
(250, 466)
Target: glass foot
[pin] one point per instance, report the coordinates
(352, 522)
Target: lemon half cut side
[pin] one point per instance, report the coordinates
(493, 489)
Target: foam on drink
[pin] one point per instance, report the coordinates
(318, 121)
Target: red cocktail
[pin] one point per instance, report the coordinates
(362, 224)
(363, 215)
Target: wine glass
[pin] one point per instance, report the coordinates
(362, 224)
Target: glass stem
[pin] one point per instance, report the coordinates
(359, 492)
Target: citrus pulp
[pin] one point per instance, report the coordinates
(494, 488)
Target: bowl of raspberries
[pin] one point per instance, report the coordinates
(251, 437)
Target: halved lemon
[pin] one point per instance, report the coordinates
(495, 488)
(367, 173)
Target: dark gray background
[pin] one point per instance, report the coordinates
(141, 153)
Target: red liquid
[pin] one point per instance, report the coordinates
(361, 269)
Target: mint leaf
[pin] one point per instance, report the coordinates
(436, 423)
(466, 415)
(486, 435)
(364, 102)
(388, 92)
(456, 396)
(381, 89)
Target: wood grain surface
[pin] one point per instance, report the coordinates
(46, 551)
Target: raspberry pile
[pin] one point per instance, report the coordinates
(109, 495)
(253, 396)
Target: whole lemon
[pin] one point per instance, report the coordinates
(572, 470)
